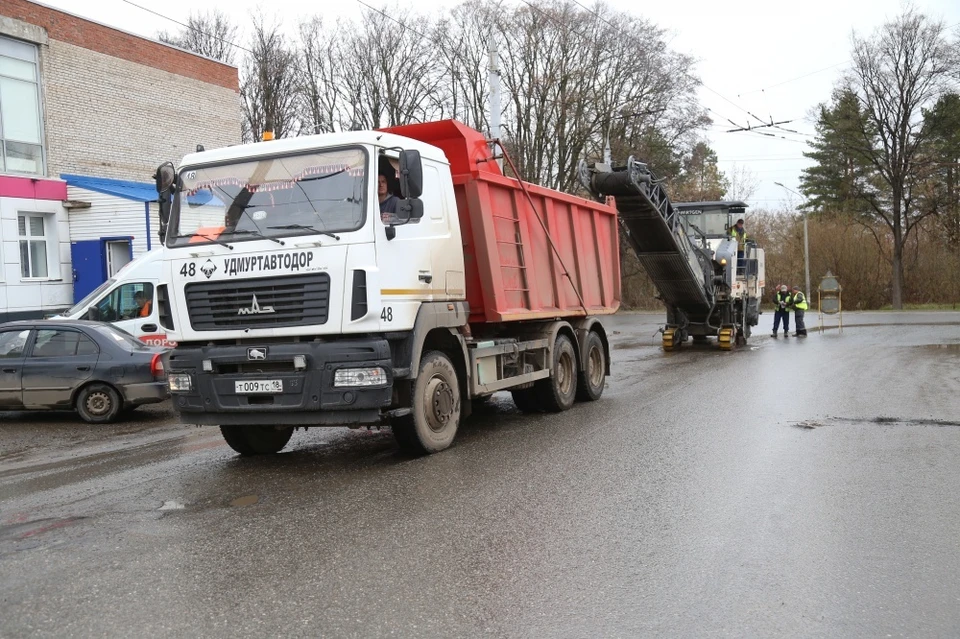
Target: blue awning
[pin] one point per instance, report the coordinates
(134, 191)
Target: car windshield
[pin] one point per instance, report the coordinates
(97, 292)
(121, 337)
(272, 197)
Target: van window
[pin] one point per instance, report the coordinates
(131, 300)
(92, 295)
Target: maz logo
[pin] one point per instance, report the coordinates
(256, 309)
(256, 353)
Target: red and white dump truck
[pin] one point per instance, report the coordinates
(295, 302)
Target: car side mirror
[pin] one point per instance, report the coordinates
(411, 174)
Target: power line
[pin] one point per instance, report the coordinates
(762, 159)
(389, 17)
(801, 77)
(807, 75)
(702, 83)
(187, 26)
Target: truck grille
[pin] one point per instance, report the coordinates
(266, 302)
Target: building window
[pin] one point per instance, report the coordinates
(33, 246)
(21, 149)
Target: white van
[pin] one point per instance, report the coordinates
(128, 300)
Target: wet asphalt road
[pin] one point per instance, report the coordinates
(793, 488)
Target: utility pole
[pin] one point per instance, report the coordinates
(493, 77)
(606, 147)
(806, 241)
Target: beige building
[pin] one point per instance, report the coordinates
(87, 112)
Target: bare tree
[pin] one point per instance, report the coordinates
(576, 77)
(743, 183)
(319, 73)
(463, 40)
(389, 74)
(211, 34)
(904, 67)
(269, 87)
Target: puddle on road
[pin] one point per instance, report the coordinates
(27, 529)
(631, 344)
(246, 500)
(941, 347)
(807, 425)
(812, 424)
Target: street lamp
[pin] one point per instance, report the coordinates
(806, 241)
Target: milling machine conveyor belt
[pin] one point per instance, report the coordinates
(679, 270)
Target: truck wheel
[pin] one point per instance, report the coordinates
(98, 403)
(435, 410)
(526, 400)
(558, 392)
(256, 440)
(591, 380)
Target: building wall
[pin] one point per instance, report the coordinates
(117, 105)
(20, 297)
(113, 105)
(110, 216)
(113, 118)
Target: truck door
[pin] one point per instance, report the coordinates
(13, 343)
(422, 261)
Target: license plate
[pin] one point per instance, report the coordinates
(260, 386)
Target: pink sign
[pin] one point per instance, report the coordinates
(32, 188)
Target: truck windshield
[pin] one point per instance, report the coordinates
(271, 197)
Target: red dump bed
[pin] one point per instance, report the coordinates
(517, 255)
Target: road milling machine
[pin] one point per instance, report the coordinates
(709, 287)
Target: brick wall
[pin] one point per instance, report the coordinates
(112, 117)
(118, 44)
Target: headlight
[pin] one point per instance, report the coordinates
(360, 377)
(180, 382)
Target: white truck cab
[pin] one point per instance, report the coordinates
(128, 300)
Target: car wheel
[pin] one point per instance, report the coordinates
(98, 403)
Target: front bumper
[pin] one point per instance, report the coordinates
(308, 396)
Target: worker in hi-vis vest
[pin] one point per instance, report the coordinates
(781, 313)
(799, 306)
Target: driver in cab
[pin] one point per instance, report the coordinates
(142, 305)
(388, 201)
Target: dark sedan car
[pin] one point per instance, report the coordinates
(95, 368)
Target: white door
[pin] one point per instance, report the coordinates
(118, 254)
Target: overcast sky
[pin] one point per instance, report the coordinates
(773, 59)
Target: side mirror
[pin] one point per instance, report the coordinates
(408, 211)
(165, 177)
(411, 174)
